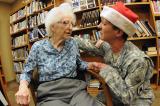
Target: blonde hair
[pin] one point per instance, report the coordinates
(56, 14)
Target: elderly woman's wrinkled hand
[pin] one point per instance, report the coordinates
(23, 95)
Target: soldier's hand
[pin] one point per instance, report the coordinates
(96, 66)
(99, 42)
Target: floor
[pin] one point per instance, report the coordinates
(13, 87)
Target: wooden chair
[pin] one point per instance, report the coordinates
(105, 88)
(87, 57)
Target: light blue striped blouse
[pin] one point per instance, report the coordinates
(51, 63)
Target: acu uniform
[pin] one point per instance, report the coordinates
(127, 73)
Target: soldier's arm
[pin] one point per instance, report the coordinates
(89, 46)
(129, 87)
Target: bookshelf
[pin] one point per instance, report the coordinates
(27, 19)
(144, 10)
(85, 27)
(3, 85)
(145, 38)
(156, 20)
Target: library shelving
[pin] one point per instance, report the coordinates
(25, 22)
(145, 37)
(156, 20)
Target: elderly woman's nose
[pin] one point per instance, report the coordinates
(69, 26)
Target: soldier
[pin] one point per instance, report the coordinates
(127, 70)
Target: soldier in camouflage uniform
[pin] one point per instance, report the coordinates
(127, 70)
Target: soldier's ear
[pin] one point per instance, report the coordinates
(119, 33)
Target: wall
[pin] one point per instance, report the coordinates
(16, 6)
(5, 39)
(5, 42)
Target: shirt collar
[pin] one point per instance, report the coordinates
(49, 48)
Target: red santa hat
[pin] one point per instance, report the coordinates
(120, 16)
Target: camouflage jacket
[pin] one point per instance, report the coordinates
(128, 76)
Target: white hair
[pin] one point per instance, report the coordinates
(56, 14)
(69, 1)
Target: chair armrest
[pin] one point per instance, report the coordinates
(105, 87)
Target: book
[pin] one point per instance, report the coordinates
(143, 28)
(94, 83)
(40, 33)
(149, 27)
(152, 49)
(83, 4)
(138, 33)
(140, 29)
(158, 27)
(76, 5)
(151, 52)
(33, 34)
(91, 4)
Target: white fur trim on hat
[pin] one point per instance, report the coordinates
(118, 20)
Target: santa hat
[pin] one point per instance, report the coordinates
(120, 16)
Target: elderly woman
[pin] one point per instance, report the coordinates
(57, 60)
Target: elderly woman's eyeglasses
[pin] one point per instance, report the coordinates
(66, 23)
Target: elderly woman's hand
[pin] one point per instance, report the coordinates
(96, 66)
(23, 95)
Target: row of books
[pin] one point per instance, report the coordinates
(158, 26)
(20, 40)
(151, 51)
(19, 14)
(18, 78)
(92, 82)
(96, 35)
(35, 6)
(18, 66)
(110, 2)
(159, 45)
(144, 29)
(37, 20)
(21, 53)
(93, 36)
(90, 18)
(83, 4)
(18, 26)
(149, 48)
(156, 5)
(37, 33)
